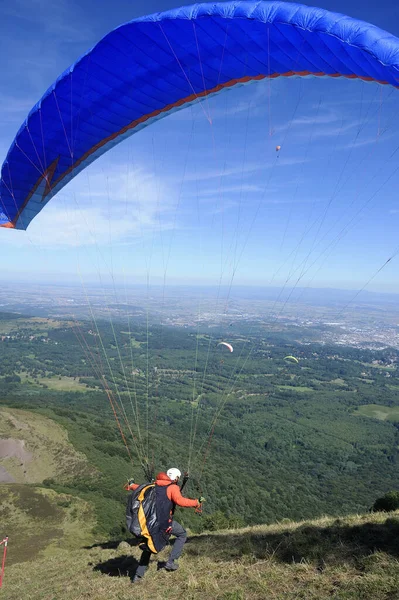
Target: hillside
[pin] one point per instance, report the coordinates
(33, 448)
(346, 558)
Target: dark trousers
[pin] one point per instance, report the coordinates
(181, 536)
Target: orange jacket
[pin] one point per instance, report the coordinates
(173, 492)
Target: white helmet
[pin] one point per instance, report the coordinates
(173, 474)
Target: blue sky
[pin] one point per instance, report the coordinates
(197, 203)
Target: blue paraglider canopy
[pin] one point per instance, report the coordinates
(152, 66)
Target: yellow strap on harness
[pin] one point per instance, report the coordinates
(142, 519)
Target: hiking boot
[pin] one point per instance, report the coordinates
(171, 565)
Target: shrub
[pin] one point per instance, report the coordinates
(388, 502)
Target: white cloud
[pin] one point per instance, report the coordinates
(219, 173)
(243, 171)
(245, 188)
(309, 129)
(124, 206)
(374, 139)
(291, 161)
(316, 119)
(57, 19)
(15, 105)
(39, 40)
(219, 208)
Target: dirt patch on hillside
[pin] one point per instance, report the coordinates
(11, 448)
(5, 477)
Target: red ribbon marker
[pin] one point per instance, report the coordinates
(3, 563)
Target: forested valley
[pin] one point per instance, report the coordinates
(264, 438)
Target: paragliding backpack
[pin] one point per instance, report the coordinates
(141, 515)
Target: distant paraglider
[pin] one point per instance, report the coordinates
(229, 346)
(291, 359)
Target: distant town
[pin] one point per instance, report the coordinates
(371, 323)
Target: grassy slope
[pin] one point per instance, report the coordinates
(52, 453)
(35, 325)
(349, 558)
(56, 382)
(378, 411)
(39, 521)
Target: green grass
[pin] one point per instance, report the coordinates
(353, 558)
(338, 381)
(295, 388)
(133, 342)
(59, 383)
(382, 367)
(35, 325)
(62, 383)
(377, 411)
